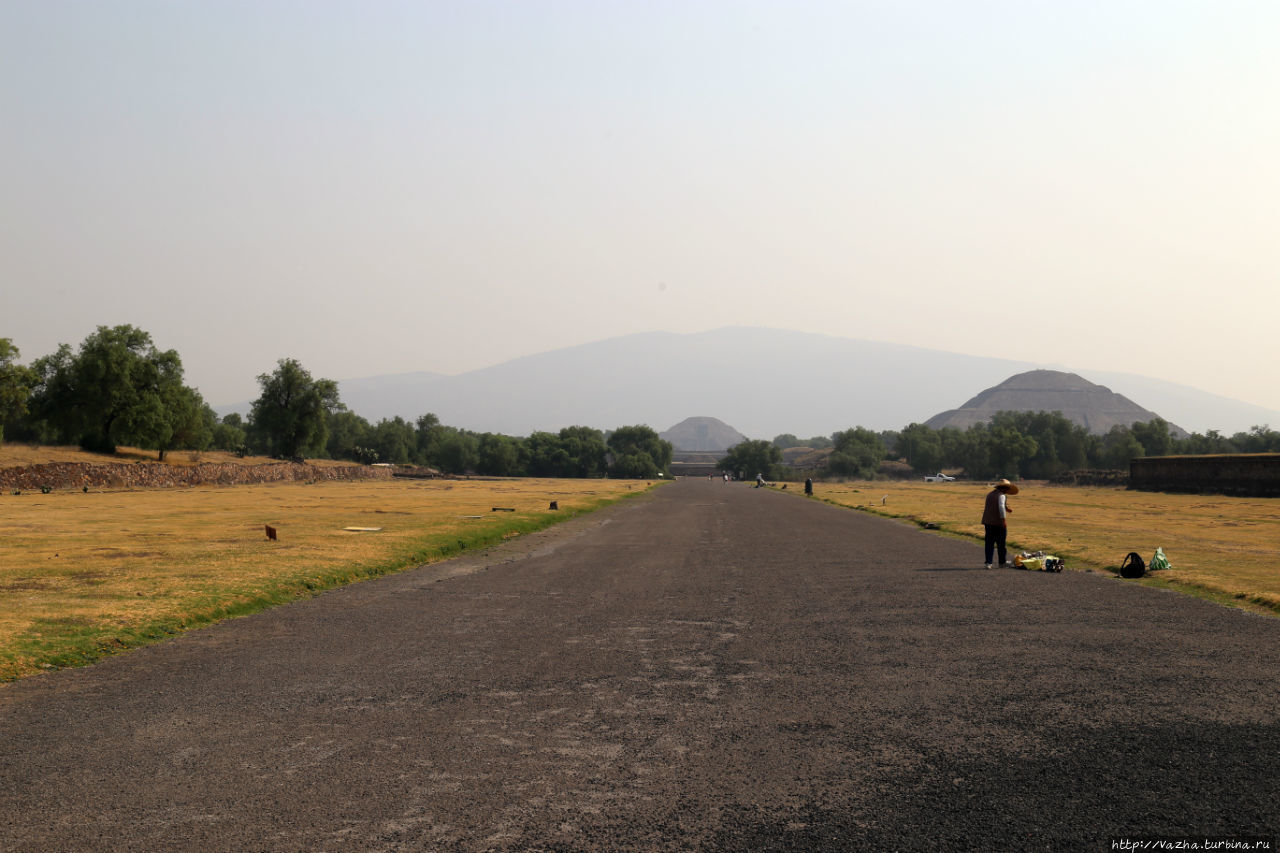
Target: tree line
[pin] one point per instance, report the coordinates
(117, 389)
(1027, 445)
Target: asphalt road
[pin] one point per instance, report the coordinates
(713, 667)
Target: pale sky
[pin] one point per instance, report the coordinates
(385, 187)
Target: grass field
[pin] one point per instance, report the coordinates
(84, 575)
(1222, 547)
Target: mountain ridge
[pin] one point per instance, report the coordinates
(763, 381)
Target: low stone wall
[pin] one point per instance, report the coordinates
(1252, 474)
(155, 475)
(694, 469)
(415, 472)
(1091, 477)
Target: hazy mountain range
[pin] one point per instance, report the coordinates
(762, 381)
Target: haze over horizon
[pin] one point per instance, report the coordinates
(388, 188)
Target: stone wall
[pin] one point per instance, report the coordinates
(1091, 477)
(1252, 474)
(155, 475)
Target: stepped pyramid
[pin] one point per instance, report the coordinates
(707, 435)
(1094, 407)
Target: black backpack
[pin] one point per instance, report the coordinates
(1133, 566)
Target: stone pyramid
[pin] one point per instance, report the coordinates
(1094, 407)
(702, 434)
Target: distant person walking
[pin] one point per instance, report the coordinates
(995, 521)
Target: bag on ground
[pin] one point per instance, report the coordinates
(1159, 561)
(1132, 566)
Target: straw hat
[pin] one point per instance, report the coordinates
(1006, 487)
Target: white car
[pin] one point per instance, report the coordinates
(939, 478)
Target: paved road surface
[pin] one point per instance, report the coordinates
(710, 668)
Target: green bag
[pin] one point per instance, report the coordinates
(1159, 561)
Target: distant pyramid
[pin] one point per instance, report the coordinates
(702, 434)
(1093, 407)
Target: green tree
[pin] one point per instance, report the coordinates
(1210, 442)
(1009, 448)
(118, 389)
(633, 466)
(542, 455)
(638, 452)
(1075, 448)
(586, 450)
(921, 446)
(394, 440)
(1154, 437)
(429, 433)
(1120, 447)
(15, 385)
(228, 434)
(967, 449)
(182, 422)
(290, 418)
(857, 452)
(749, 458)
(576, 451)
(350, 437)
(1259, 439)
(498, 456)
(1060, 444)
(786, 441)
(457, 452)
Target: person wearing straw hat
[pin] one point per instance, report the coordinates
(995, 521)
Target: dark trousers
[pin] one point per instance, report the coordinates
(995, 540)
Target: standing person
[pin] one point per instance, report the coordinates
(995, 521)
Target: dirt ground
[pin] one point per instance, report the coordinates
(712, 667)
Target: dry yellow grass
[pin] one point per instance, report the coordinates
(84, 574)
(1224, 546)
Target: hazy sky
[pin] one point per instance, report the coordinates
(384, 187)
